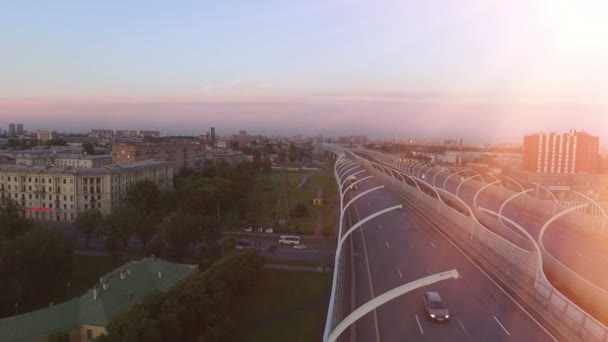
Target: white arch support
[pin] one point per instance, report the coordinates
(464, 181)
(480, 190)
(555, 217)
(602, 211)
(445, 182)
(502, 206)
(354, 174)
(539, 270)
(387, 297)
(516, 182)
(365, 220)
(437, 174)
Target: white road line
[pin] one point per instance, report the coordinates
(399, 271)
(479, 268)
(462, 325)
(387, 245)
(379, 226)
(502, 326)
(432, 244)
(418, 228)
(563, 236)
(419, 326)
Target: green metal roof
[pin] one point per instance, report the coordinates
(120, 295)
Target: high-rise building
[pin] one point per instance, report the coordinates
(571, 152)
(212, 135)
(19, 129)
(11, 130)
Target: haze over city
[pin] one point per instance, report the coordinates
(396, 69)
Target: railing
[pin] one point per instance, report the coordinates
(516, 268)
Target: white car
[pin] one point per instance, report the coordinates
(300, 246)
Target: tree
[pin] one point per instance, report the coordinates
(292, 153)
(44, 260)
(143, 196)
(12, 223)
(88, 148)
(56, 142)
(182, 230)
(88, 223)
(145, 227)
(118, 228)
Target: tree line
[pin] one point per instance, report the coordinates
(197, 309)
(34, 262)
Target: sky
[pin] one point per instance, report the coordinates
(488, 71)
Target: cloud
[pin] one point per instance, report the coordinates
(225, 85)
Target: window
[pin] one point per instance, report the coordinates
(86, 206)
(64, 181)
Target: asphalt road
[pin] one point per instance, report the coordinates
(399, 247)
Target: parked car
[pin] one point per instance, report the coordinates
(289, 240)
(243, 244)
(300, 246)
(435, 307)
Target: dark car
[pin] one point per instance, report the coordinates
(435, 307)
(243, 244)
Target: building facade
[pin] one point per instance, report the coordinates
(571, 152)
(44, 136)
(60, 194)
(102, 134)
(11, 130)
(149, 134)
(190, 155)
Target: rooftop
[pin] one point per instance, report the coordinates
(73, 171)
(126, 286)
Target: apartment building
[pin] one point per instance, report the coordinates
(180, 154)
(571, 152)
(64, 160)
(60, 193)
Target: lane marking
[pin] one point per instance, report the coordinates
(387, 245)
(417, 228)
(432, 244)
(369, 275)
(399, 271)
(462, 325)
(397, 196)
(379, 226)
(502, 326)
(419, 326)
(563, 236)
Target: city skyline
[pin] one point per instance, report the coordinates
(333, 67)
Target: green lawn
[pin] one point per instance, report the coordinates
(265, 194)
(283, 306)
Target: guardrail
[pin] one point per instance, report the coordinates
(516, 268)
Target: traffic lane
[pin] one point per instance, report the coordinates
(427, 260)
(365, 327)
(473, 299)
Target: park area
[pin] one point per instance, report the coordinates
(283, 306)
(301, 189)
